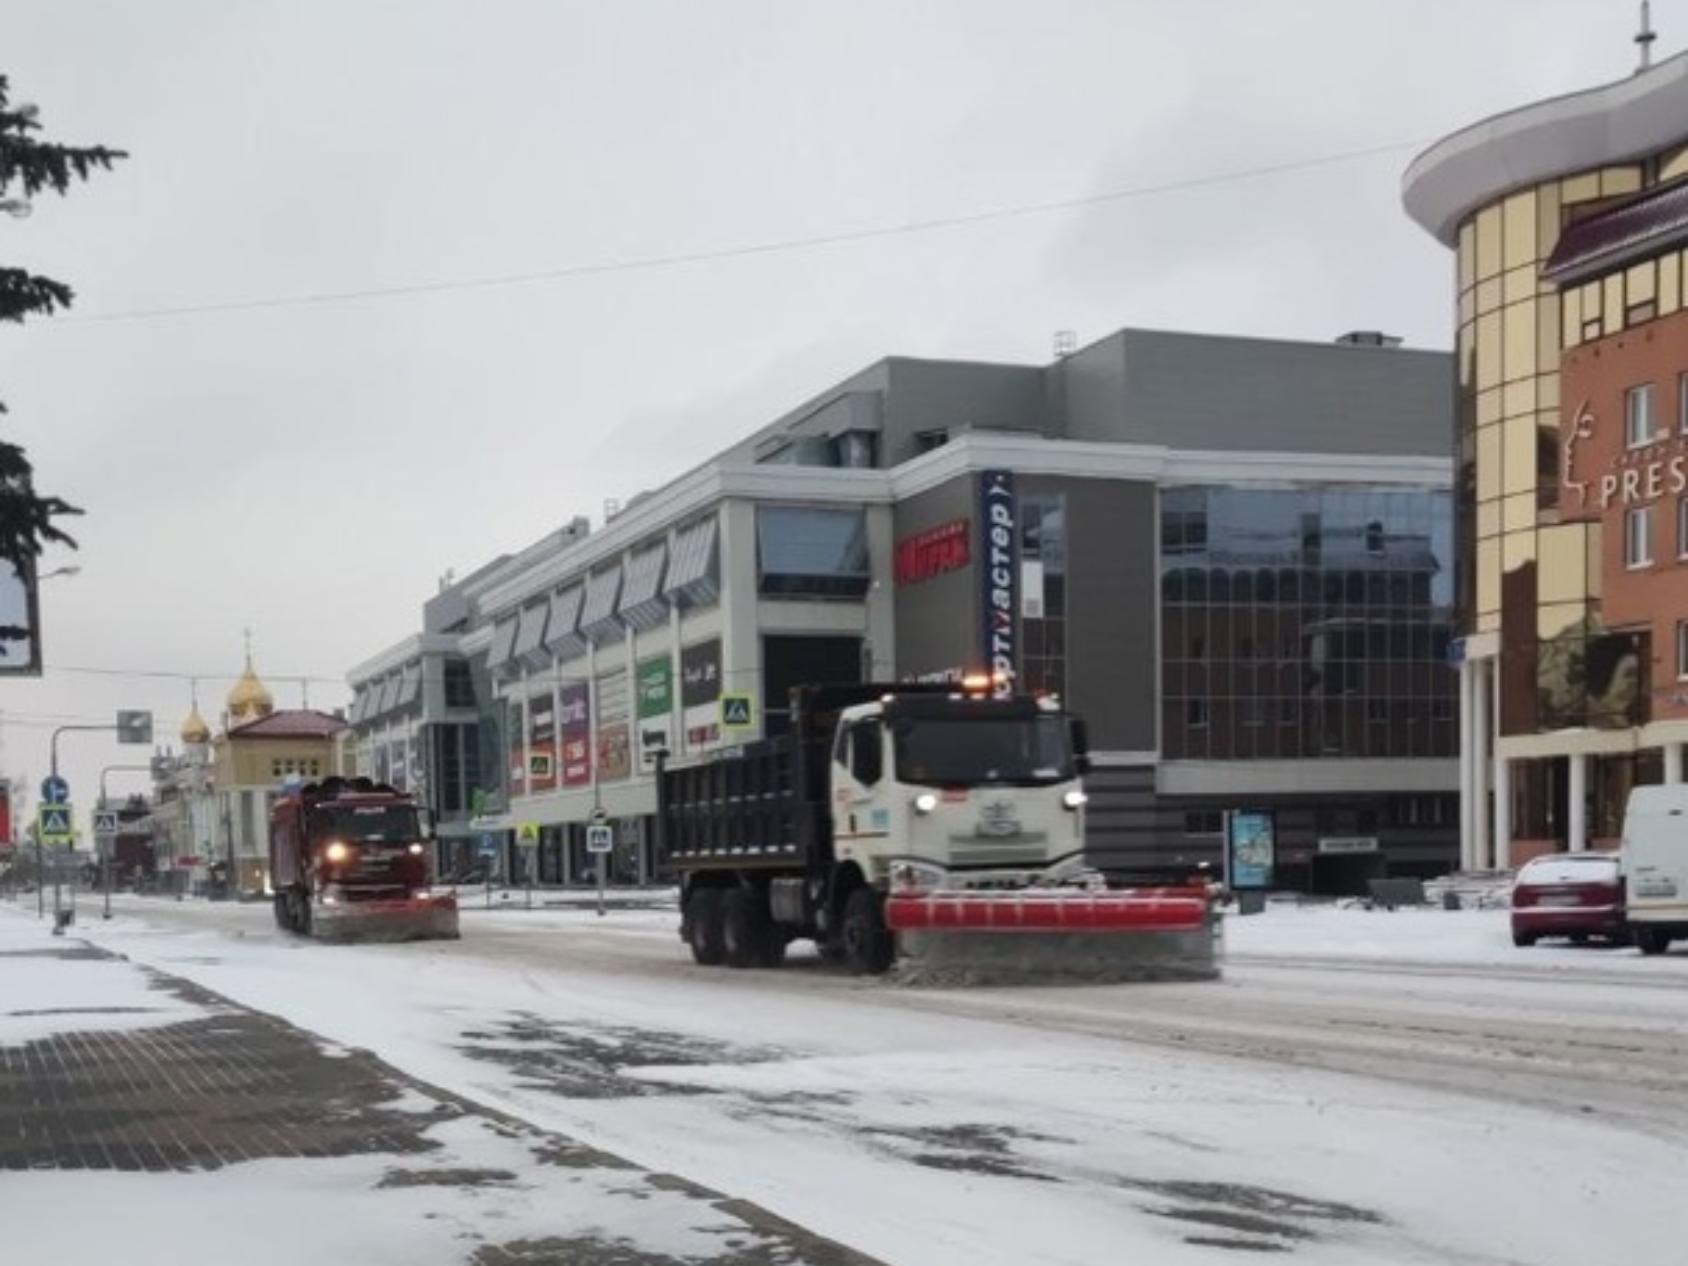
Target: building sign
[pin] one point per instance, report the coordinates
(1347, 845)
(700, 691)
(5, 815)
(542, 744)
(574, 724)
(999, 572)
(1633, 476)
(615, 752)
(933, 552)
(738, 712)
(517, 749)
(1250, 849)
(655, 677)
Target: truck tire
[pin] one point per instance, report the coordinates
(1650, 940)
(868, 948)
(283, 918)
(748, 935)
(706, 927)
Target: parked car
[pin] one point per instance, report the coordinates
(1575, 895)
(1656, 866)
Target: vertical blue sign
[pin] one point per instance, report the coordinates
(1250, 848)
(999, 568)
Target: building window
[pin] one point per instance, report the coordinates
(1377, 710)
(1638, 537)
(1195, 713)
(1682, 650)
(1682, 403)
(1252, 710)
(1682, 527)
(1638, 415)
(1204, 822)
(459, 684)
(812, 552)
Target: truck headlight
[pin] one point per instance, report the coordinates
(1074, 800)
(416, 850)
(925, 802)
(915, 877)
(337, 851)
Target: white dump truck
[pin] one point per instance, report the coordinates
(942, 826)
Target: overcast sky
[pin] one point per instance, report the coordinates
(311, 470)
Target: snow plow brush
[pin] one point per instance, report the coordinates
(425, 918)
(1044, 936)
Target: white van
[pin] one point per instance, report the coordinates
(1655, 863)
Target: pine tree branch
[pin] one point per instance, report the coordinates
(23, 294)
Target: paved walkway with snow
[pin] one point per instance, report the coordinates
(197, 1127)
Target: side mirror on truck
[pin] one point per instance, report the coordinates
(1081, 745)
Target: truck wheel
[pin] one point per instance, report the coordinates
(281, 912)
(1651, 940)
(867, 941)
(706, 927)
(748, 935)
(301, 912)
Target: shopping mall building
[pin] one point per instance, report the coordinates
(1233, 556)
(1568, 220)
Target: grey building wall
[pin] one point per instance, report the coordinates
(903, 398)
(1199, 391)
(937, 620)
(1112, 603)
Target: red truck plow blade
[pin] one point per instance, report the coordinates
(1042, 935)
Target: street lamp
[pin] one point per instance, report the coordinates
(65, 572)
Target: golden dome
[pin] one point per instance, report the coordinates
(250, 698)
(194, 729)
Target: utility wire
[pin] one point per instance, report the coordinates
(773, 247)
(168, 675)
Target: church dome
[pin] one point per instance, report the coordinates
(250, 698)
(194, 729)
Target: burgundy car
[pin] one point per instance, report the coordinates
(1576, 895)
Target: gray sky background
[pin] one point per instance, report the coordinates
(311, 471)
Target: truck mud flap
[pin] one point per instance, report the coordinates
(1054, 937)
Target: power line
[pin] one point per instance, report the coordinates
(773, 247)
(169, 675)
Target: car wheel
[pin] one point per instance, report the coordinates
(1523, 940)
(868, 947)
(705, 922)
(1650, 940)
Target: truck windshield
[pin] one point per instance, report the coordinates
(381, 823)
(964, 752)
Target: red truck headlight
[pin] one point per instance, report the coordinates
(337, 851)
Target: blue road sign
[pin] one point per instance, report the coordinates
(55, 790)
(489, 846)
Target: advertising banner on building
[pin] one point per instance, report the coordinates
(513, 736)
(574, 725)
(5, 815)
(655, 708)
(398, 764)
(700, 692)
(542, 744)
(1250, 849)
(615, 751)
(933, 552)
(999, 573)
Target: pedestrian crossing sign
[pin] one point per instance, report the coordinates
(54, 823)
(527, 833)
(737, 712)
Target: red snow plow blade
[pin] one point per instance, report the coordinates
(1127, 934)
(430, 918)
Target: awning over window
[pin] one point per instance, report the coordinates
(360, 701)
(694, 573)
(390, 693)
(812, 552)
(642, 604)
(529, 649)
(598, 623)
(1613, 238)
(562, 636)
(503, 642)
(410, 686)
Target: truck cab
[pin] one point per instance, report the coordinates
(941, 791)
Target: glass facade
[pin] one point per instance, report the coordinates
(1300, 624)
(811, 552)
(1043, 594)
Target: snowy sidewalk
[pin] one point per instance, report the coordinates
(191, 1122)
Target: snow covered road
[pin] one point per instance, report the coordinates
(1360, 1087)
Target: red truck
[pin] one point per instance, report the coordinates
(348, 861)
